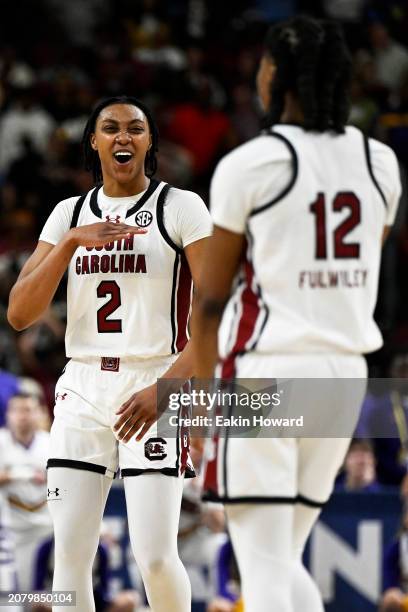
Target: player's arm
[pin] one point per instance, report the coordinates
(42, 273)
(38, 282)
(232, 198)
(223, 255)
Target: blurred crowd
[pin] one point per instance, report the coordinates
(194, 63)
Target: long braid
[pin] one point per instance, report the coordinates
(341, 98)
(307, 60)
(334, 76)
(280, 86)
(312, 62)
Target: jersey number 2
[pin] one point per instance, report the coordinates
(105, 325)
(341, 249)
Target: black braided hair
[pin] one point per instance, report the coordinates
(91, 157)
(314, 64)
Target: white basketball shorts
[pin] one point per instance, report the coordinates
(241, 469)
(86, 400)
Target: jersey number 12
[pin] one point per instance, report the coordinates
(341, 249)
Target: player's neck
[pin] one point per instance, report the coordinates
(292, 112)
(113, 189)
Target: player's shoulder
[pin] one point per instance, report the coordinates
(381, 150)
(376, 148)
(183, 197)
(67, 204)
(267, 147)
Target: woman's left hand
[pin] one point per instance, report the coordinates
(138, 413)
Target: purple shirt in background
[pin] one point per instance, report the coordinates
(9, 386)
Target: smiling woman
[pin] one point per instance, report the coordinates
(121, 134)
(132, 246)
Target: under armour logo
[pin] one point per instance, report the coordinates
(61, 396)
(113, 219)
(55, 492)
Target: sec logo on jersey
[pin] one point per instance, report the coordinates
(143, 218)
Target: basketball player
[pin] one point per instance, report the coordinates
(129, 246)
(299, 213)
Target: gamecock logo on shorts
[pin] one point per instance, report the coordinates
(155, 449)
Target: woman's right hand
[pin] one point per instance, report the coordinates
(42, 272)
(99, 234)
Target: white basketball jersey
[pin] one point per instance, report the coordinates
(130, 297)
(310, 276)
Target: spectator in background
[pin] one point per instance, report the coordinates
(393, 122)
(29, 386)
(273, 11)
(359, 469)
(228, 582)
(390, 57)
(23, 456)
(78, 20)
(245, 118)
(364, 110)
(8, 573)
(350, 13)
(395, 571)
(44, 343)
(9, 361)
(204, 130)
(345, 10)
(15, 247)
(25, 120)
(152, 40)
(384, 419)
(11, 385)
(73, 126)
